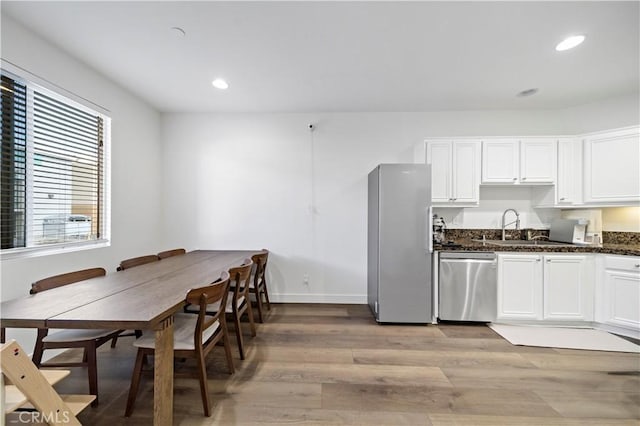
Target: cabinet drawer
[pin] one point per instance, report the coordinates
(626, 263)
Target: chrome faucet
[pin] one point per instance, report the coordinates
(517, 221)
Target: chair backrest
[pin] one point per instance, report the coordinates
(240, 280)
(260, 262)
(64, 279)
(217, 291)
(137, 261)
(169, 253)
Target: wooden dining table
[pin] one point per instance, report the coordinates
(145, 297)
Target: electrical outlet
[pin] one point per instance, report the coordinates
(305, 279)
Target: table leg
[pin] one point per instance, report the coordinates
(163, 375)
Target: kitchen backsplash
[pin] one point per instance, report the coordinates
(626, 238)
(630, 238)
(493, 234)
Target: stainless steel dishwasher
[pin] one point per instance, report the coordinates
(468, 286)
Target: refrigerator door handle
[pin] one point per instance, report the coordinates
(429, 231)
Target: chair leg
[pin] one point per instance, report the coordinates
(227, 348)
(236, 319)
(138, 333)
(92, 367)
(204, 389)
(259, 303)
(266, 292)
(114, 341)
(3, 336)
(39, 347)
(251, 322)
(135, 383)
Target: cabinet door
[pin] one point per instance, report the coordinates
(538, 160)
(566, 292)
(439, 156)
(622, 298)
(567, 183)
(500, 161)
(519, 286)
(612, 166)
(466, 172)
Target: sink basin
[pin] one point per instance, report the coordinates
(523, 243)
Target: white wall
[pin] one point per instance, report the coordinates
(136, 167)
(488, 214)
(611, 113)
(621, 219)
(248, 180)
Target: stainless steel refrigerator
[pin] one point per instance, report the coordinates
(400, 243)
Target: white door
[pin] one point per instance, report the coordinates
(500, 161)
(566, 184)
(519, 286)
(466, 171)
(538, 160)
(622, 297)
(612, 166)
(566, 292)
(439, 156)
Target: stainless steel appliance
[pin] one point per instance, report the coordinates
(568, 231)
(468, 286)
(400, 243)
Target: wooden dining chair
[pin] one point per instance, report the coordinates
(170, 253)
(194, 336)
(127, 264)
(237, 303)
(87, 339)
(137, 261)
(259, 280)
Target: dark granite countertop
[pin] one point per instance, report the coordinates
(467, 244)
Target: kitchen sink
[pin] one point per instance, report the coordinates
(524, 243)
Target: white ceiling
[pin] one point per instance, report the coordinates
(349, 56)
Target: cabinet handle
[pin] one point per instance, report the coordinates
(538, 260)
(548, 260)
(637, 266)
(515, 179)
(524, 178)
(453, 199)
(563, 198)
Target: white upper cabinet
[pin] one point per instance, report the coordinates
(455, 170)
(569, 181)
(612, 167)
(538, 160)
(500, 159)
(513, 161)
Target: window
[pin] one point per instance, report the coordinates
(52, 177)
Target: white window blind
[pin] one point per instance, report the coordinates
(62, 154)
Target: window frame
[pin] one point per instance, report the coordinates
(51, 89)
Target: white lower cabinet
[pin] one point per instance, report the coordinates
(567, 291)
(519, 286)
(621, 291)
(544, 287)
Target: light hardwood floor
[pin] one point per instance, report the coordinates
(333, 365)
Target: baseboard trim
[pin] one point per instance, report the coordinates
(357, 299)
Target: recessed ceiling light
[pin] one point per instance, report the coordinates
(569, 43)
(219, 83)
(527, 92)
